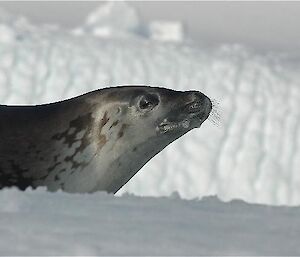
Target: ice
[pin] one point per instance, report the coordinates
(111, 19)
(253, 155)
(43, 223)
(166, 31)
(7, 34)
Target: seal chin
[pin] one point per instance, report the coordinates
(190, 116)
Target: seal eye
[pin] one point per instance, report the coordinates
(148, 102)
(145, 104)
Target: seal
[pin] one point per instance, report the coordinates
(96, 141)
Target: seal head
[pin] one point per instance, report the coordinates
(97, 141)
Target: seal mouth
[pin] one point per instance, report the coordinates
(190, 116)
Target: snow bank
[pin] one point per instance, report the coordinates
(42, 223)
(254, 155)
(166, 31)
(111, 19)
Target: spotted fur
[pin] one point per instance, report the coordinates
(97, 141)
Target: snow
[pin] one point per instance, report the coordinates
(166, 31)
(254, 155)
(112, 19)
(43, 223)
(7, 34)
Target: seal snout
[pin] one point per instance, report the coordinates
(200, 104)
(194, 109)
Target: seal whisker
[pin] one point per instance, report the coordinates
(215, 116)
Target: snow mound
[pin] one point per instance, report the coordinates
(43, 223)
(166, 31)
(111, 19)
(254, 155)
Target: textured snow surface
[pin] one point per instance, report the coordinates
(43, 223)
(254, 155)
(111, 20)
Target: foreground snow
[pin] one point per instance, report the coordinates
(43, 223)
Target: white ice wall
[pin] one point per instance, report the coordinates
(254, 155)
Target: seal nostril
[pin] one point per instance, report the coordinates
(197, 96)
(200, 98)
(199, 103)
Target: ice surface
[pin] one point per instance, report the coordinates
(166, 31)
(42, 223)
(111, 19)
(254, 155)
